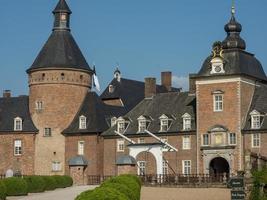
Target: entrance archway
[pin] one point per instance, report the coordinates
(219, 166)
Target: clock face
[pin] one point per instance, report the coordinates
(218, 69)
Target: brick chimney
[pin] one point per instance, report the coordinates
(7, 93)
(150, 87)
(166, 80)
(192, 83)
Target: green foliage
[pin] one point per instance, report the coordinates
(63, 181)
(259, 181)
(124, 187)
(2, 191)
(16, 186)
(35, 184)
(50, 182)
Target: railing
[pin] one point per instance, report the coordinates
(171, 180)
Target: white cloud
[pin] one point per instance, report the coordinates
(180, 82)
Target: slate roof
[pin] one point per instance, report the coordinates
(125, 160)
(175, 104)
(60, 51)
(237, 62)
(78, 161)
(98, 115)
(259, 103)
(13, 107)
(131, 92)
(62, 6)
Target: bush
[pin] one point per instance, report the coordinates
(16, 186)
(125, 187)
(50, 182)
(2, 191)
(63, 181)
(68, 182)
(35, 184)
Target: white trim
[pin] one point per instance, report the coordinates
(120, 143)
(229, 139)
(17, 120)
(17, 147)
(82, 122)
(81, 150)
(184, 147)
(252, 140)
(217, 79)
(139, 167)
(215, 109)
(183, 165)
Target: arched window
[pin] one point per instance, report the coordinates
(17, 124)
(82, 122)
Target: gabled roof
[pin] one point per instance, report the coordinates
(259, 104)
(131, 92)
(174, 104)
(60, 51)
(13, 107)
(98, 115)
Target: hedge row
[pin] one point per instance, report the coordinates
(32, 184)
(124, 187)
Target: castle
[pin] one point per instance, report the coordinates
(63, 127)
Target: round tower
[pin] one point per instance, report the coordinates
(59, 80)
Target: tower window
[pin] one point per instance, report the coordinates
(81, 148)
(205, 139)
(232, 139)
(218, 103)
(110, 88)
(39, 105)
(47, 132)
(17, 124)
(56, 166)
(63, 20)
(82, 122)
(17, 147)
(62, 76)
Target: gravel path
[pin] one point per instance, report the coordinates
(59, 194)
(157, 193)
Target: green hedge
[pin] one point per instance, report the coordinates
(16, 186)
(124, 187)
(63, 181)
(50, 182)
(2, 191)
(35, 184)
(259, 182)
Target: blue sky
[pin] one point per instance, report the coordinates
(144, 36)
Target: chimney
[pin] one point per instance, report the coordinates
(7, 93)
(192, 83)
(150, 87)
(166, 80)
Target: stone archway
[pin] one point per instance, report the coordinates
(219, 165)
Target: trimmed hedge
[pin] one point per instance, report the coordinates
(2, 191)
(50, 183)
(16, 186)
(63, 181)
(35, 184)
(124, 187)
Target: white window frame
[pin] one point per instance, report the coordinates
(121, 126)
(47, 132)
(186, 142)
(164, 123)
(17, 124)
(187, 168)
(230, 142)
(141, 140)
(142, 125)
(255, 140)
(217, 103)
(120, 145)
(165, 167)
(165, 149)
(110, 88)
(187, 124)
(17, 147)
(203, 139)
(113, 121)
(56, 166)
(255, 121)
(81, 145)
(141, 169)
(39, 105)
(82, 122)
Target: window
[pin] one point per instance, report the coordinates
(81, 148)
(186, 142)
(121, 126)
(186, 167)
(206, 140)
(232, 139)
(186, 122)
(256, 140)
(142, 126)
(218, 103)
(39, 105)
(47, 132)
(165, 148)
(141, 140)
(110, 88)
(17, 124)
(56, 166)
(255, 122)
(113, 121)
(141, 168)
(165, 167)
(17, 147)
(82, 122)
(63, 20)
(164, 125)
(120, 145)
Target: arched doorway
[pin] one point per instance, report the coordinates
(219, 166)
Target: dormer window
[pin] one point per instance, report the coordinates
(113, 121)
(110, 88)
(143, 123)
(121, 126)
(82, 122)
(255, 119)
(165, 122)
(17, 124)
(186, 122)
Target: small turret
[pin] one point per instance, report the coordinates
(117, 74)
(62, 14)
